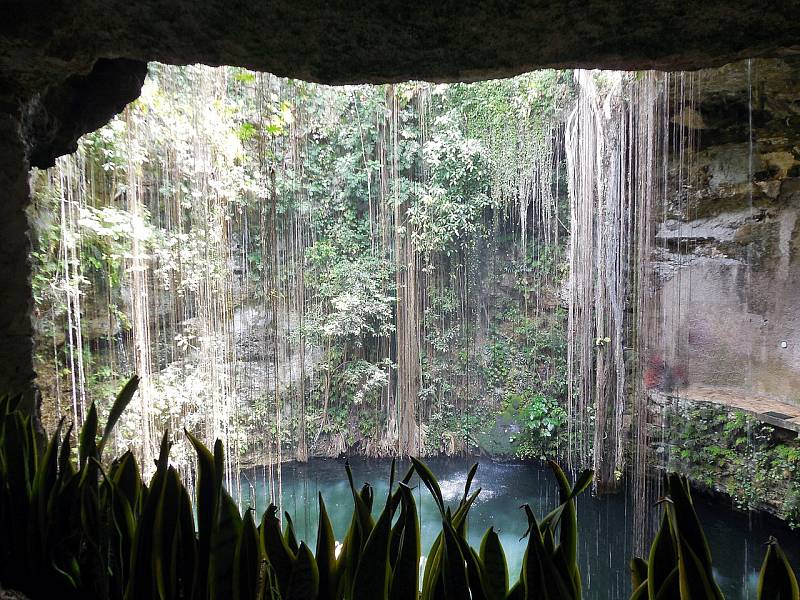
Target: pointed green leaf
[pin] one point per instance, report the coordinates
(405, 576)
(777, 580)
(247, 561)
(326, 555)
(120, 403)
(304, 582)
(495, 565)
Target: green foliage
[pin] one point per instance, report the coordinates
(543, 423)
(227, 163)
(448, 214)
(66, 531)
(733, 452)
(355, 303)
(86, 531)
(679, 565)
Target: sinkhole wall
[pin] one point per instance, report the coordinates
(724, 358)
(727, 263)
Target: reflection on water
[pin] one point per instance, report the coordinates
(604, 522)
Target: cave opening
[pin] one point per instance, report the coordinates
(594, 266)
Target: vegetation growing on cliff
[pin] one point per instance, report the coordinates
(302, 270)
(88, 528)
(730, 451)
(370, 268)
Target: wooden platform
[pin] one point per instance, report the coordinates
(765, 408)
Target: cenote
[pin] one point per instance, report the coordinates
(597, 267)
(737, 539)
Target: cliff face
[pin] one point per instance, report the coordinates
(728, 258)
(67, 67)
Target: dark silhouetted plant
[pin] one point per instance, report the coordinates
(72, 528)
(679, 565)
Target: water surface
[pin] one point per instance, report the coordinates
(605, 523)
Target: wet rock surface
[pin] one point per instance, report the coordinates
(729, 251)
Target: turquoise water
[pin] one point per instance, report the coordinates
(737, 540)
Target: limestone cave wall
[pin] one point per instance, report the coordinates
(727, 311)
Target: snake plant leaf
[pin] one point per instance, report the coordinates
(696, 583)
(549, 539)
(694, 557)
(280, 557)
(20, 464)
(186, 547)
(124, 501)
(349, 556)
(368, 496)
(396, 501)
(162, 462)
(391, 475)
(44, 485)
(663, 559)
(397, 529)
(671, 587)
(409, 474)
(117, 408)
(65, 467)
(304, 581)
(165, 526)
(582, 483)
(65, 542)
(517, 592)
(640, 592)
(685, 522)
(454, 573)
(247, 560)
(429, 479)
(226, 533)
(475, 570)
(372, 574)
(87, 445)
(207, 488)
(289, 534)
(124, 489)
(568, 532)
(120, 541)
(431, 580)
(72, 573)
(553, 518)
(495, 565)
(459, 518)
(777, 580)
(326, 555)
(470, 476)
(363, 506)
(127, 480)
(541, 579)
(431, 576)
(219, 461)
(142, 582)
(405, 574)
(268, 588)
(396, 537)
(638, 568)
(567, 572)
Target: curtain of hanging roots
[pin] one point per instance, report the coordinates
(228, 333)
